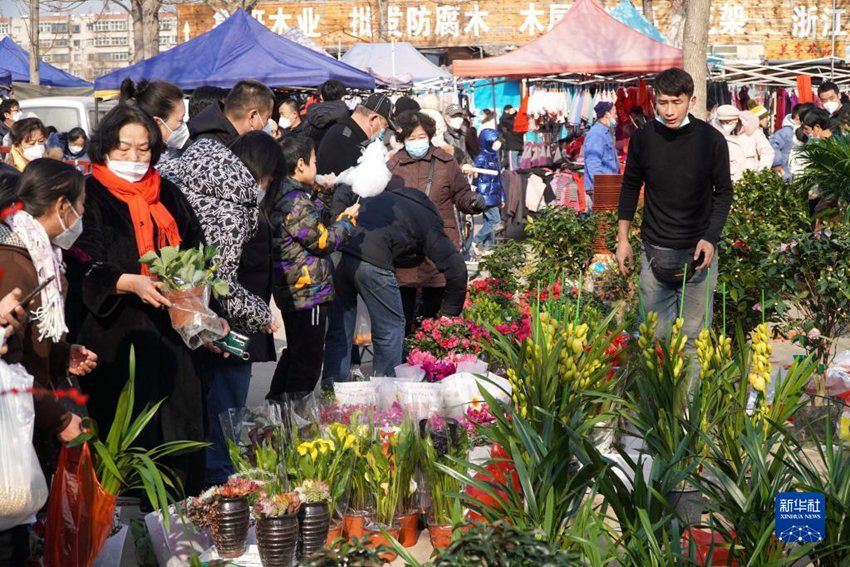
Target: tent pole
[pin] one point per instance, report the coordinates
(495, 116)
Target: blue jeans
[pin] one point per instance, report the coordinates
(513, 159)
(665, 299)
(227, 387)
(486, 237)
(379, 289)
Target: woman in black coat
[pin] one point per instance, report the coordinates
(123, 307)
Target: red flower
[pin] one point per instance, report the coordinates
(742, 245)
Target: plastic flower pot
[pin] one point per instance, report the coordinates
(441, 536)
(315, 519)
(185, 305)
(334, 533)
(409, 526)
(354, 523)
(688, 503)
(375, 539)
(230, 531)
(277, 540)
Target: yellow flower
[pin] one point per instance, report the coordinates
(314, 453)
(385, 486)
(303, 448)
(350, 440)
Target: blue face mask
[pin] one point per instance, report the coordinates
(417, 148)
(684, 123)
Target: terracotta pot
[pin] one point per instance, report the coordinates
(409, 523)
(441, 536)
(230, 531)
(375, 538)
(277, 539)
(315, 521)
(353, 524)
(184, 306)
(334, 532)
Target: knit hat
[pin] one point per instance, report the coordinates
(759, 111)
(405, 103)
(602, 107)
(728, 112)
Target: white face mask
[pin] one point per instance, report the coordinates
(269, 127)
(177, 138)
(70, 234)
(284, 123)
(497, 145)
(131, 171)
(728, 128)
(33, 152)
(831, 106)
(75, 149)
(17, 116)
(456, 122)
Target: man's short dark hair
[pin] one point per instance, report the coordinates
(800, 109)
(205, 96)
(6, 107)
(674, 82)
(827, 86)
(106, 138)
(507, 108)
(332, 90)
(247, 95)
(295, 148)
(290, 104)
(816, 117)
(409, 121)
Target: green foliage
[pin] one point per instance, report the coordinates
(345, 553)
(563, 241)
(122, 467)
(503, 545)
(504, 261)
(447, 447)
(186, 269)
(827, 166)
(765, 212)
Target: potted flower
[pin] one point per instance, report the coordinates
(405, 455)
(443, 443)
(277, 528)
(225, 511)
(189, 278)
(314, 516)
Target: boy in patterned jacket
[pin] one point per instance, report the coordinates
(303, 239)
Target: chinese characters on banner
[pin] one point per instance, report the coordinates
(793, 28)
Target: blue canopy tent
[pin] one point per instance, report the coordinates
(16, 61)
(629, 15)
(239, 48)
(5, 78)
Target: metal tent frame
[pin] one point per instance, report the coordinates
(780, 73)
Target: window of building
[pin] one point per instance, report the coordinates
(5, 29)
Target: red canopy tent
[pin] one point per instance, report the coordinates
(587, 40)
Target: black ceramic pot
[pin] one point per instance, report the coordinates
(315, 519)
(230, 532)
(277, 539)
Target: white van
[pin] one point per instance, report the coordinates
(65, 113)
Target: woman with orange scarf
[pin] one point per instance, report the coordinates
(131, 210)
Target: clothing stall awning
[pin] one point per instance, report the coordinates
(626, 12)
(16, 60)
(780, 73)
(240, 48)
(394, 63)
(586, 40)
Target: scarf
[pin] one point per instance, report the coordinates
(47, 260)
(146, 210)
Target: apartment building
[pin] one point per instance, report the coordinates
(87, 45)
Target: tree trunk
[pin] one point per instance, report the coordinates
(145, 16)
(695, 47)
(647, 11)
(35, 75)
(677, 22)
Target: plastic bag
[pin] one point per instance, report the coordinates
(838, 374)
(362, 325)
(421, 400)
(460, 391)
(23, 489)
(386, 391)
(192, 318)
(79, 517)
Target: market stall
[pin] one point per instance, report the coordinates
(237, 49)
(15, 61)
(395, 64)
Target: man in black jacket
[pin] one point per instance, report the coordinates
(248, 106)
(322, 115)
(345, 141)
(683, 163)
(397, 228)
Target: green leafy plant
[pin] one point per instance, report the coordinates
(562, 241)
(121, 466)
(345, 553)
(504, 263)
(186, 269)
(826, 165)
(444, 443)
(389, 468)
(314, 491)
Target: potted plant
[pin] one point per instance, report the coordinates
(314, 516)
(443, 443)
(225, 510)
(189, 278)
(406, 455)
(277, 528)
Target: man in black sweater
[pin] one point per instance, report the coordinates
(395, 229)
(683, 164)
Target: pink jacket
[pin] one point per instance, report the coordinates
(749, 149)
